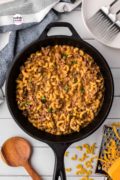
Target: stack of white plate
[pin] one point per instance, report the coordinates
(89, 8)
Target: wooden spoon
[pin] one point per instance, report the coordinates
(16, 151)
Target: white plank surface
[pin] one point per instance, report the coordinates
(76, 20)
(43, 157)
(44, 178)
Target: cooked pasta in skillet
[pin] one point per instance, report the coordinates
(60, 89)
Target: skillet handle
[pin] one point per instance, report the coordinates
(2, 96)
(59, 169)
(74, 35)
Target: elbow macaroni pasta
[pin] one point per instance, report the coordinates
(60, 89)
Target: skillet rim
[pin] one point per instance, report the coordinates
(88, 46)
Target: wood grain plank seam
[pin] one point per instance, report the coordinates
(49, 176)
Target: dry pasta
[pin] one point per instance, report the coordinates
(60, 89)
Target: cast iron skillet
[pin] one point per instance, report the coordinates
(58, 143)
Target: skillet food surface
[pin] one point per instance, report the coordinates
(60, 89)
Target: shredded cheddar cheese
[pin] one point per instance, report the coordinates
(109, 155)
(114, 126)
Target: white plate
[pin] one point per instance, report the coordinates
(89, 7)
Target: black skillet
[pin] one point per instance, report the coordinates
(59, 144)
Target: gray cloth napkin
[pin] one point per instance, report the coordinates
(24, 37)
(32, 16)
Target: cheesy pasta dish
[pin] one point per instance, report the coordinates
(60, 89)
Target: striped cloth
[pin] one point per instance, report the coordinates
(22, 21)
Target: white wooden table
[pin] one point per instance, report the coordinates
(43, 157)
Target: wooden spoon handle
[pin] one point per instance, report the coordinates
(31, 171)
